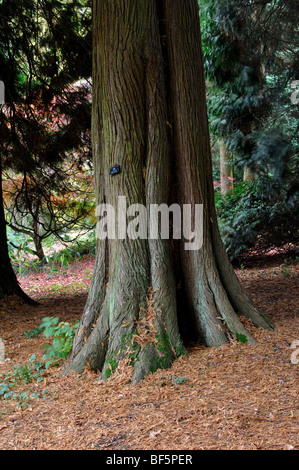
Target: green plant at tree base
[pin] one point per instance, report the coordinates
(241, 338)
(63, 335)
(171, 380)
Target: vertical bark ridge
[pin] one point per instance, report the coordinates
(187, 110)
(157, 183)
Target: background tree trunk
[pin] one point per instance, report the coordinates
(248, 174)
(226, 169)
(149, 116)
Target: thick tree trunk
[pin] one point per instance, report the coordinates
(9, 285)
(213, 286)
(149, 116)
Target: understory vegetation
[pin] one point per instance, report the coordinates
(258, 214)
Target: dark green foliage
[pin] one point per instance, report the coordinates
(44, 47)
(62, 333)
(251, 60)
(257, 212)
(33, 333)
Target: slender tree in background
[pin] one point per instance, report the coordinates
(149, 116)
(226, 169)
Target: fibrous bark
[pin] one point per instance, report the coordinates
(149, 116)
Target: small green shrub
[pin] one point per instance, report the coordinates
(171, 380)
(241, 338)
(180, 380)
(20, 376)
(63, 335)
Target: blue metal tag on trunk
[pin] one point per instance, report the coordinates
(114, 170)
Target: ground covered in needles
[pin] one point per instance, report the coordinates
(232, 397)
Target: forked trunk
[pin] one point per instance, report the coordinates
(149, 116)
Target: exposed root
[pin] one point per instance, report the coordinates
(146, 349)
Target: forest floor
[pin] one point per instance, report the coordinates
(232, 397)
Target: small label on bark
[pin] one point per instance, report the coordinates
(114, 170)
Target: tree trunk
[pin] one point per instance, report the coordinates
(39, 250)
(248, 174)
(226, 173)
(37, 239)
(148, 296)
(8, 281)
